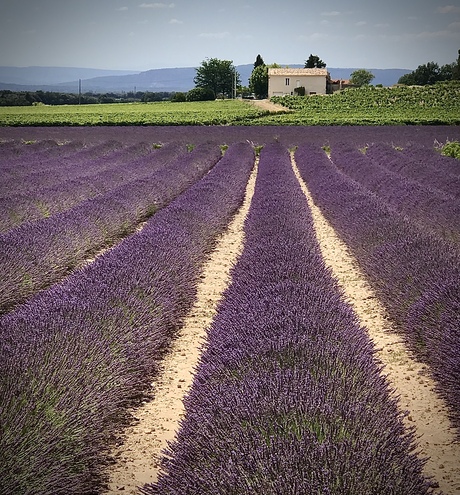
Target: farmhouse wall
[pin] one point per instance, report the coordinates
(284, 81)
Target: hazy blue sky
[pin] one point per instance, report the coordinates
(141, 35)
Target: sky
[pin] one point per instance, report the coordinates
(142, 34)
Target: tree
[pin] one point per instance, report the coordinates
(220, 76)
(314, 62)
(200, 94)
(429, 73)
(361, 77)
(178, 96)
(456, 68)
(258, 82)
(259, 61)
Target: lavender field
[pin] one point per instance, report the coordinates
(103, 236)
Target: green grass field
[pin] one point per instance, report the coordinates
(438, 104)
(219, 112)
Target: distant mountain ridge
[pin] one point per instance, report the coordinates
(66, 79)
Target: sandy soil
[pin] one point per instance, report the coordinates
(409, 378)
(137, 460)
(268, 105)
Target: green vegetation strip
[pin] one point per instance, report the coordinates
(219, 112)
(437, 104)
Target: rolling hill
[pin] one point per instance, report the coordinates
(66, 79)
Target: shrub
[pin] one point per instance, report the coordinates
(300, 91)
(451, 148)
(200, 94)
(179, 97)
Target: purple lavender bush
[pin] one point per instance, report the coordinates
(414, 273)
(63, 187)
(288, 396)
(420, 163)
(36, 255)
(431, 208)
(73, 358)
(17, 152)
(50, 167)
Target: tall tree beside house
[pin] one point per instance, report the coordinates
(258, 82)
(314, 62)
(259, 61)
(220, 76)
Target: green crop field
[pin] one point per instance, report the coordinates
(219, 112)
(434, 105)
(437, 104)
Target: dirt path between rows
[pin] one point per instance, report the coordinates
(137, 460)
(409, 378)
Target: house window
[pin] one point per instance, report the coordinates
(287, 81)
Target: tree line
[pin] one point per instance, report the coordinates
(28, 98)
(431, 73)
(217, 78)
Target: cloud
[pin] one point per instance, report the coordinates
(331, 14)
(449, 9)
(156, 5)
(424, 35)
(243, 37)
(314, 36)
(434, 34)
(454, 25)
(121, 9)
(217, 36)
(361, 23)
(176, 21)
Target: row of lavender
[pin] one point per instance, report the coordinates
(288, 396)
(431, 198)
(259, 135)
(18, 149)
(62, 159)
(47, 182)
(420, 162)
(39, 254)
(414, 272)
(74, 357)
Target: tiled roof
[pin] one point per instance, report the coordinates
(297, 72)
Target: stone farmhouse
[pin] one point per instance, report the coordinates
(285, 81)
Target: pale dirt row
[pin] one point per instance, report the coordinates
(409, 378)
(137, 460)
